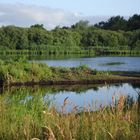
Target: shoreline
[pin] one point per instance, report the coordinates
(23, 73)
(112, 80)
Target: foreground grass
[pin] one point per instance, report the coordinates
(23, 71)
(27, 118)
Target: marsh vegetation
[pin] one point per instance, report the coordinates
(29, 116)
(27, 113)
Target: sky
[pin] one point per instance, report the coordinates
(54, 13)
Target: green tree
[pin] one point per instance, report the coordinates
(82, 24)
(134, 22)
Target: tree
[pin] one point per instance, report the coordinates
(134, 22)
(39, 36)
(81, 25)
(114, 23)
(40, 26)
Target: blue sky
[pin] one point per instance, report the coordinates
(63, 12)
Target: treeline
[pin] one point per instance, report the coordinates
(120, 23)
(80, 36)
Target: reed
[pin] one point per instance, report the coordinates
(31, 118)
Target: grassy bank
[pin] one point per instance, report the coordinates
(30, 73)
(27, 118)
(20, 73)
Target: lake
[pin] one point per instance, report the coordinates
(99, 63)
(84, 96)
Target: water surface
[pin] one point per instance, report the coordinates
(84, 96)
(99, 63)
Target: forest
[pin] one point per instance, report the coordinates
(116, 34)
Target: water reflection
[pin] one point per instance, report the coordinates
(95, 62)
(43, 57)
(77, 95)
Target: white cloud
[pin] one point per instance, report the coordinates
(26, 15)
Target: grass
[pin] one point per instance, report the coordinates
(27, 118)
(20, 71)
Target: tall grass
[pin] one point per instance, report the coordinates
(23, 71)
(27, 118)
(20, 71)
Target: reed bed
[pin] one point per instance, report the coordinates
(31, 118)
